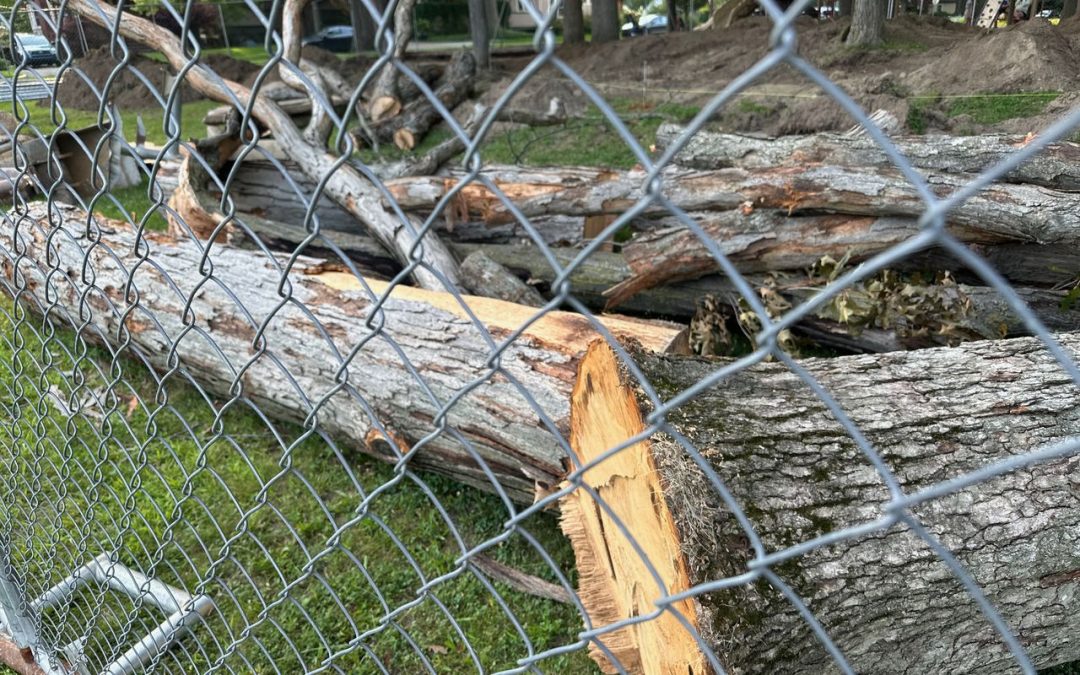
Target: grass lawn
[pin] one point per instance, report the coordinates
(589, 141)
(982, 108)
(109, 476)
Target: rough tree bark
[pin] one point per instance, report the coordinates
(573, 23)
(1056, 166)
(432, 330)
(605, 21)
(867, 24)
(346, 185)
(764, 241)
(886, 600)
(1001, 212)
(480, 32)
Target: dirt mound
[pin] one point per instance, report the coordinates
(228, 67)
(1030, 56)
(352, 69)
(131, 88)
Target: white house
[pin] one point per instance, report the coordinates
(520, 18)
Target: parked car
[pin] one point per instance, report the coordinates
(332, 38)
(35, 50)
(646, 25)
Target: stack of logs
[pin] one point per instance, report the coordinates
(776, 209)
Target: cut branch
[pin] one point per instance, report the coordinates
(344, 184)
(420, 114)
(1004, 211)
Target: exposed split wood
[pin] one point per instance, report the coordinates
(886, 600)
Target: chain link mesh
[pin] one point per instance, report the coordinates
(186, 412)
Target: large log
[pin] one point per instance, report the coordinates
(914, 316)
(889, 604)
(304, 348)
(1055, 166)
(1000, 212)
(767, 240)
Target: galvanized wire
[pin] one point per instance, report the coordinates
(113, 454)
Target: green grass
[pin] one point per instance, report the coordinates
(994, 108)
(157, 452)
(191, 120)
(587, 141)
(982, 108)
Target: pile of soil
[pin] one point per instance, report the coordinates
(922, 56)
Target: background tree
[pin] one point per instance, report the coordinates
(867, 24)
(573, 23)
(605, 21)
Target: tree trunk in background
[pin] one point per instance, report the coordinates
(573, 23)
(1068, 9)
(867, 24)
(366, 25)
(605, 21)
(672, 15)
(491, 11)
(479, 32)
(845, 7)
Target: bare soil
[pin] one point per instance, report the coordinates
(922, 57)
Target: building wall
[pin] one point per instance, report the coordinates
(519, 17)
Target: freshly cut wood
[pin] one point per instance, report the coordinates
(889, 604)
(408, 128)
(381, 411)
(386, 84)
(1055, 166)
(1000, 212)
(344, 183)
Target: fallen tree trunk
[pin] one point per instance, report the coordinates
(876, 316)
(1055, 166)
(1000, 212)
(765, 240)
(889, 604)
(344, 184)
(431, 329)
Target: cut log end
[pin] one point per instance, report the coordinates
(383, 108)
(614, 581)
(404, 139)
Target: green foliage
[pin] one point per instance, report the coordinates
(981, 108)
(994, 108)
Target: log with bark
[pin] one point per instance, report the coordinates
(1001, 211)
(343, 183)
(932, 414)
(381, 411)
(1055, 166)
(770, 240)
(889, 604)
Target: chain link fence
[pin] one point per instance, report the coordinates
(297, 378)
